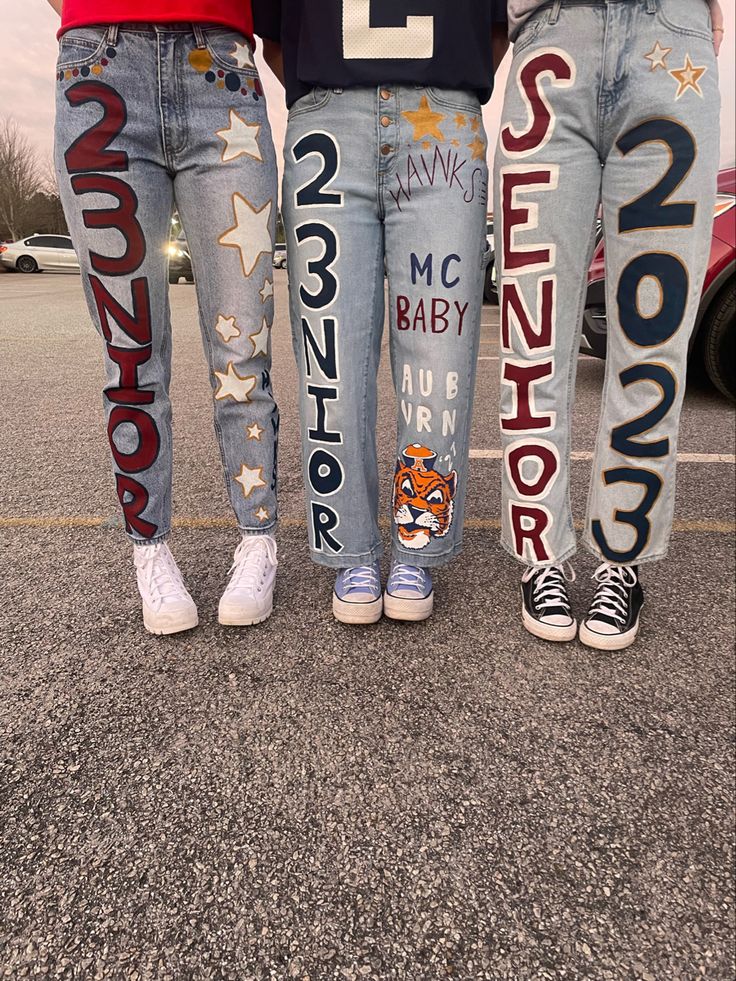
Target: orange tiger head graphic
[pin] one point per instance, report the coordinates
(424, 500)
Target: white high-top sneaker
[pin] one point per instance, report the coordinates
(167, 606)
(248, 597)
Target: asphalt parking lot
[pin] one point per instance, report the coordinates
(308, 800)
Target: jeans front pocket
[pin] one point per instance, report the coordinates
(231, 52)
(457, 100)
(531, 30)
(689, 17)
(311, 102)
(81, 48)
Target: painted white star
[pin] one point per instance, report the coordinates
(658, 57)
(251, 233)
(242, 55)
(234, 387)
(255, 431)
(241, 139)
(267, 291)
(227, 328)
(262, 514)
(250, 479)
(260, 339)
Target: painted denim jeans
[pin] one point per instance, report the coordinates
(612, 106)
(152, 119)
(387, 182)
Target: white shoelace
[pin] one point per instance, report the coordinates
(250, 562)
(550, 589)
(406, 576)
(362, 577)
(160, 574)
(611, 597)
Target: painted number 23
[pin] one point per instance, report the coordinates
(360, 40)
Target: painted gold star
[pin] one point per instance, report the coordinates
(461, 120)
(425, 122)
(267, 291)
(255, 432)
(232, 386)
(251, 233)
(478, 148)
(262, 514)
(658, 57)
(688, 76)
(240, 138)
(227, 328)
(260, 339)
(249, 479)
(475, 124)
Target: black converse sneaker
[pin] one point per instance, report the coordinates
(613, 619)
(546, 611)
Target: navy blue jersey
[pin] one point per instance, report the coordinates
(344, 43)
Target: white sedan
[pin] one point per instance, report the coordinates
(39, 252)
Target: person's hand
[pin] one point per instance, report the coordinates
(716, 14)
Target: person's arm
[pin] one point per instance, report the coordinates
(500, 43)
(274, 56)
(499, 32)
(717, 16)
(56, 4)
(267, 25)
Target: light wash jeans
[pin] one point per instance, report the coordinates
(392, 180)
(613, 103)
(150, 118)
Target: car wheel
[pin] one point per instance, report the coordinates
(26, 264)
(489, 289)
(719, 342)
(190, 279)
(173, 279)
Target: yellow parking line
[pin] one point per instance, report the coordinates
(61, 522)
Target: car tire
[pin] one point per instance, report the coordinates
(490, 292)
(26, 264)
(173, 279)
(719, 342)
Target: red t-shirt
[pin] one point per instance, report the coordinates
(230, 13)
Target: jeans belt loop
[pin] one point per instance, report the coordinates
(555, 15)
(112, 35)
(199, 37)
(651, 6)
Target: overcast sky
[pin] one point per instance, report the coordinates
(28, 55)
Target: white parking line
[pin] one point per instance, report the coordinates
(586, 455)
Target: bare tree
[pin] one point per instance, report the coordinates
(21, 177)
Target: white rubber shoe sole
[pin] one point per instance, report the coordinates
(357, 612)
(548, 631)
(608, 642)
(169, 623)
(234, 618)
(411, 610)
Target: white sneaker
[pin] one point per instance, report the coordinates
(167, 606)
(248, 598)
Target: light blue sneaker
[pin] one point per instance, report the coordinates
(357, 597)
(409, 594)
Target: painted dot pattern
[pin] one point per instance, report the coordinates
(200, 60)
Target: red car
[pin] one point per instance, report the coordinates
(714, 339)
